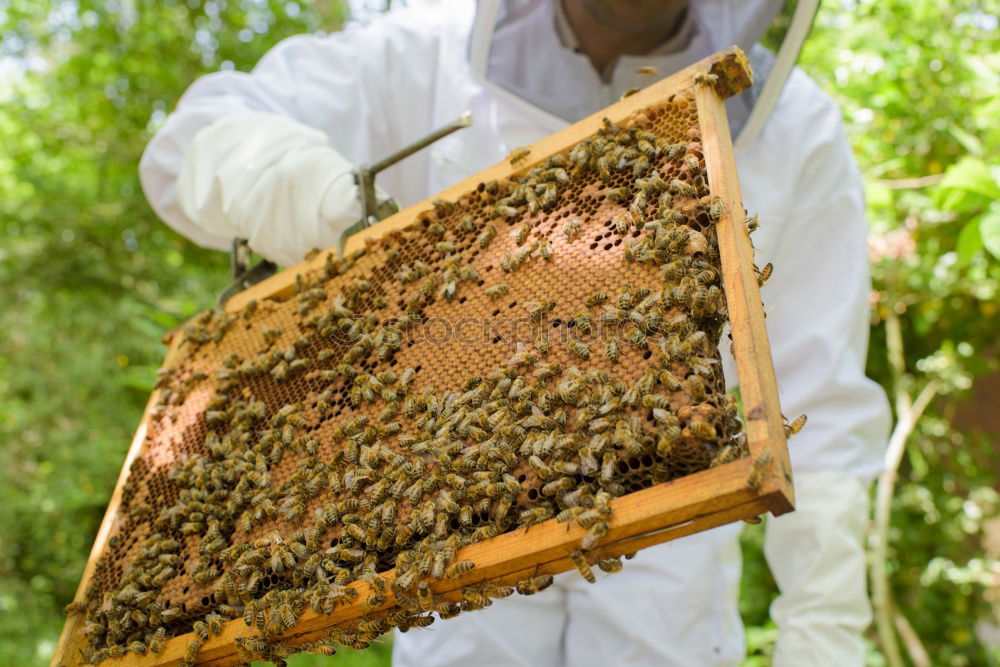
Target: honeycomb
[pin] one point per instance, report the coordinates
(532, 350)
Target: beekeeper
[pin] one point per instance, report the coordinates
(268, 155)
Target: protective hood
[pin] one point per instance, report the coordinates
(527, 48)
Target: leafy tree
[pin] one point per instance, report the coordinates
(90, 277)
(918, 83)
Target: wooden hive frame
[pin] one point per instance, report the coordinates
(687, 505)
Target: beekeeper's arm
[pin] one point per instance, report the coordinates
(268, 155)
(817, 320)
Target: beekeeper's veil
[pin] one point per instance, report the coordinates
(527, 48)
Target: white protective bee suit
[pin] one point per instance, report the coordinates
(267, 156)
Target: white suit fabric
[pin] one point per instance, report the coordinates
(263, 154)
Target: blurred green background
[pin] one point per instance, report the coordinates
(90, 279)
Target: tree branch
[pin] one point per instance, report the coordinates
(911, 641)
(897, 363)
(908, 412)
(910, 183)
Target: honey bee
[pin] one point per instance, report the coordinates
(522, 357)
(796, 426)
(504, 211)
(171, 614)
(638, 207)
(535, 584)
(509, 262)
(594, 535)
(374, 601)
(445, 247)
(647, 70)
(622, 222)
(548, 371)
(629, 93)
(466, 224)
(518, 155)
(702, 429)
(670, 437)
(609, 464)
(272, 334)
(443, 206)
(457, 570)
(725, 455)
(588, 463)
(571, 228)
(619, 195)
(603, 170)
(557, 486)
(536, 311)
(679, 187)
(549, 196)
(559, 174)
(191, 651)
(542, 342)
(706, 79)
(640, 166)
(692, 163)
(756, 475)
(200, 630)
(610, 565)
(535, 515)
(449, 290)
(638, 338)
(582, 321)
(158, 641)
(696, 387)
(596, 299)
(521, 234)
(764, 274)
(579, 348)
(583, 566)
(716, 209)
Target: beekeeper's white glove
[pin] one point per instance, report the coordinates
(817, 557)
(271, 180)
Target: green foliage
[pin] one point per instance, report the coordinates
(378, 655)
(91, 278)
(917, 81)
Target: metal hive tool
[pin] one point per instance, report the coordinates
(665, 483)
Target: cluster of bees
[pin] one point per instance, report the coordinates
(417, 473)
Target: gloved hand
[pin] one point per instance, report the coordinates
(817, 557)
(271, 180)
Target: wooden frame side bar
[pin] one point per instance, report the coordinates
(752, 352)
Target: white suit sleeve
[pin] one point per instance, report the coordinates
(817, 557)
(267, 155)
(270, 180)
(817, 305)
